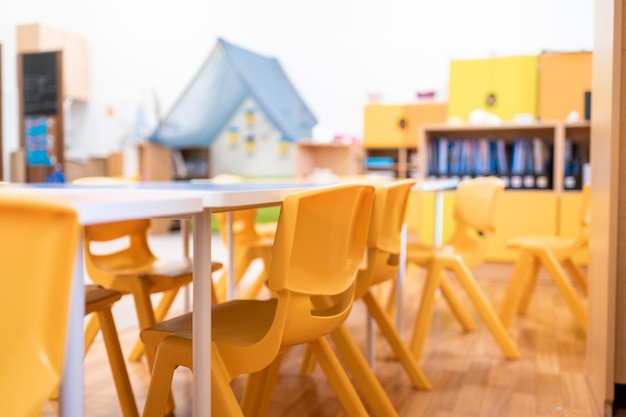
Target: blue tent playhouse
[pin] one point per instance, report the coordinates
(243, 107)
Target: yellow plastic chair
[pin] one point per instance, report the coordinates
(475, 206)
(556, 255)
(319, 245)
(133, 269)
(251, 241)
(248, 246)
(98, 301)
(383, 264)
(38, 243)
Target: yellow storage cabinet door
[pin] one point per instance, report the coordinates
(419, 114)
(569, 212)
(563, 80)
(384, 126)
(503, 86)
(469, 86)
(514, 84)
(522, 213)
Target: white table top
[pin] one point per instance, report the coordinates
(102, 206)
(103, 203)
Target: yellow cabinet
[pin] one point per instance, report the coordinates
(563, 80)
(503, 86)
(398, 125)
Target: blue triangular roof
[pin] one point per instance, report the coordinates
(230, 75)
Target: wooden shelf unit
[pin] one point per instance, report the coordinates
(554, 134)
(523, 211)
(402, 161)
(341, 159)
(191, 163)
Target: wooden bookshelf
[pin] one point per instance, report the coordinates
(527, 209)
(340, 159)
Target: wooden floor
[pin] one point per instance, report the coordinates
(470, 376)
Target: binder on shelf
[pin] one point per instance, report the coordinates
(576, 156)
(442, 156)
(379, 162)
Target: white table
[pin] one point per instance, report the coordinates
(93, 207)
(212, 198)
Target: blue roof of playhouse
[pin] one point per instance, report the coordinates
(230, 75)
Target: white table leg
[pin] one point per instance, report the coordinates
(184, 231)
(400, 278)
(71, 395)
(202, 314)
(438, 239)
(231, 256)
(370, 347)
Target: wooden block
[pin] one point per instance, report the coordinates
(42, 38)
(36, 37)
(155, 162)
(115, 164)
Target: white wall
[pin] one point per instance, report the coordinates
(335, 52)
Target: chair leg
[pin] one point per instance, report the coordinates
(223, 400)
(337, 378)
(415, 373)
(220, 286)
(307, 366)
(517, 285)
(161, 310)
(117, 364)
(565, 287)
(456, 305)
(391, 300)
(259, 390)
(532, 273)
(485, 310)
(426, 310)
(91, 331)
(172, 353)
(146, 318)
(259, 282)
(362, 374)
(577, 273)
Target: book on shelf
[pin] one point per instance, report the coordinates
(379, 162)
(179, 167)
(523, 163)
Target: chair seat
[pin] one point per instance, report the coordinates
(98, 298)
(421, 254)
(238, 322)
(553, 243)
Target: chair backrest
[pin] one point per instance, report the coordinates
(127, 242)
(126, 250)
(96, 180)
(384, 234)
(319, 245)
(38, 245)
(243, 222)
(475, 212)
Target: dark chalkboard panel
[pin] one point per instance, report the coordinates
(40, 88)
